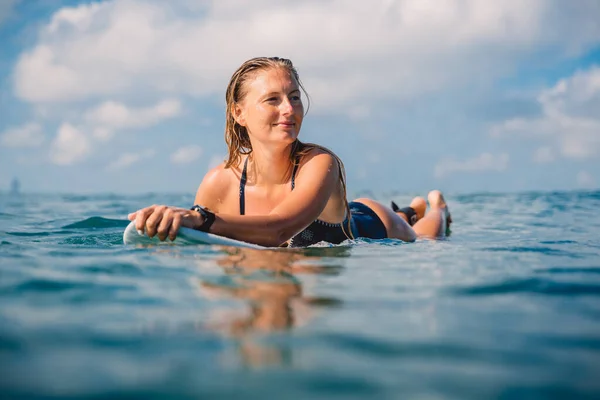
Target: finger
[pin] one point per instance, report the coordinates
(131, 216)
(141, 216)
(175, 225)
(153, 220)
(165, 224)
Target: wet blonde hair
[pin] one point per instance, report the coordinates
(236, 135)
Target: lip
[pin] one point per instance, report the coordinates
(286, 124)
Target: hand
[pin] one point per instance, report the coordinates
(164, 220)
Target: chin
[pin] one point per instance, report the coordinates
(292, 137)
(288, 137)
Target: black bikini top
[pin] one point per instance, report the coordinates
(317, 231)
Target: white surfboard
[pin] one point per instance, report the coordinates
(186, 236)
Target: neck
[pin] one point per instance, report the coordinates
(269, 166)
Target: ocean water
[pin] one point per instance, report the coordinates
(508, 307)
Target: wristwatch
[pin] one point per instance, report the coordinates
(207, 215)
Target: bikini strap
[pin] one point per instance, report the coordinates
(294, 172)
(243, 178)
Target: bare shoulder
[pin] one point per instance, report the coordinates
(215, 186)
(216, 177)
(320, 158)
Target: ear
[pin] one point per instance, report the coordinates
(238, 114)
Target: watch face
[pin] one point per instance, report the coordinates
(200, 209)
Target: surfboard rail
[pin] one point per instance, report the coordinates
(186, 236)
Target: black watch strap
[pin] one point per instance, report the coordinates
(209, 217)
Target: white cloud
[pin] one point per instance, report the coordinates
(127, 159)
(81, 17)
(102, 134)
(570, 116)
(585, 180)
(28, 135)
(544, 155)
(112, 115)
(69, 146)
(187, 154)
(484, 162)
(115, 48)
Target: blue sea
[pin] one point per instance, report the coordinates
(508, 307)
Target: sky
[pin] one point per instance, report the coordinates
(127, 96)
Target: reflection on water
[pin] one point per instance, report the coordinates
(271, 284)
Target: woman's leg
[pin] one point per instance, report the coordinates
(419, 205)
(434, 224)
(395, 226)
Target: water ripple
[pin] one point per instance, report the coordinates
(570, 270)
(29, 234)
(97, 223)
(535, 249)
(531, 285)
(447, 351)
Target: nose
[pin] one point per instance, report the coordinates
(286, 106)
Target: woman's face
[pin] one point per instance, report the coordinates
(272, 110)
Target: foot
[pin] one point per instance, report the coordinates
(418, 204)
(436, 200)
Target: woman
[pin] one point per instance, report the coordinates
(274, 190)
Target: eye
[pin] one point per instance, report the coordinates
(295, 97)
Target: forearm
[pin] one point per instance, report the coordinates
(264, 230)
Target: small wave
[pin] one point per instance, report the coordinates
(531, 285)
(593, 195)
(97, 222)
(569, 270)
(10, 342)
(584, 342)
(75, 291)
(29, 234)
(384, 349)
(120, 269)
(49, 285)
(526, 249)
(337, 251)
(558, 242)
(75, 198)
(101, 240)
